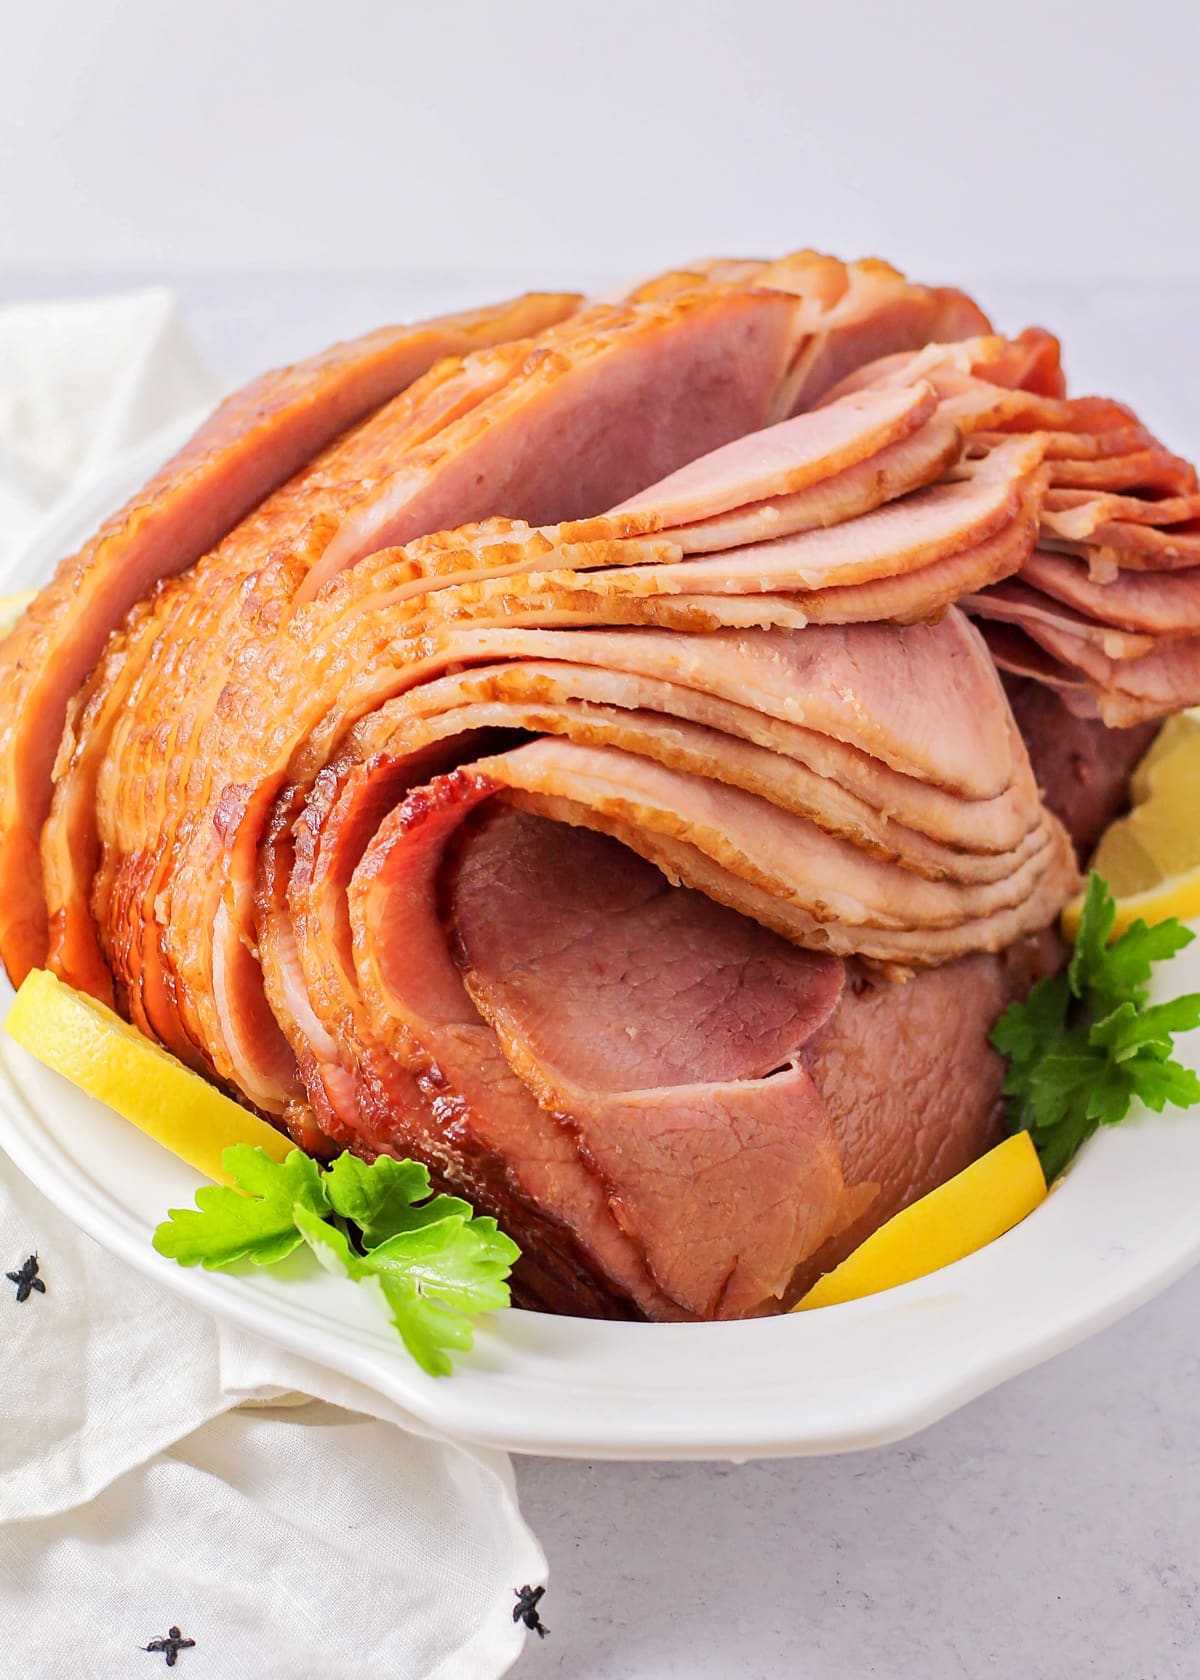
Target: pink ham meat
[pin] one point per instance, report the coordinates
(678, 1081)
(904, 745)
(254, 441)
(632, 366)
(716, 1098)
(1106, 610)
(1082, 766)
(860, 311)
(923, 549)
(598, 414)
(901, 1129)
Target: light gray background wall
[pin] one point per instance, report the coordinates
(575, 139)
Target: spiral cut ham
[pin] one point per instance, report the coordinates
(567, 765)
(1106, 610)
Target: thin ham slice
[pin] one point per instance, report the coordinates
(158, 808)
(903, 466)
(1016, 603)
(591, 418)
(1121, 545)
(791, 457)
(616, 583)
(1159, 603)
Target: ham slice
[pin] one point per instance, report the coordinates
(254, 441)
(625, 581)
(112, 767)
(1016, 603)
(678, 1080)
(785, 459)
(1121, 545)
(858, 312)
(1159, 603)
(715, 361)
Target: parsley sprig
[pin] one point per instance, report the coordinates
(1086, 1042)
(433, 1261)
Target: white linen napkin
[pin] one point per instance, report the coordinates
(156, 1469)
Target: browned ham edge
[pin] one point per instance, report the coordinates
(254, 441)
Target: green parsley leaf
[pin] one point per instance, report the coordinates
(1085, 1044)
(379, 1198)
(432, 1278)
(259, 1225)
(430, 1261)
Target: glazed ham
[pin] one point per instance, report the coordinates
(566, 764)
(255, 441)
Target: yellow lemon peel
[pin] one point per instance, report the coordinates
(109, 1059)
(966, 1213)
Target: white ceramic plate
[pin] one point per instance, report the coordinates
(1121, 1227)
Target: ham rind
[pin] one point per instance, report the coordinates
(254, 441)
(679, 1081)
(598, 414)
(1159, 603)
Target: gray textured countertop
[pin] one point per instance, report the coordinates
(1050, 1531)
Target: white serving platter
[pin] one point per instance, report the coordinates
(1119, 1228)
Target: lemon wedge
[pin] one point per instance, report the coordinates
(11, 608)
(109, 1059)
(1151, 858)
(966, 1213)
